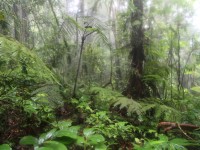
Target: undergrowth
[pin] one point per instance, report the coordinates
(38, 113)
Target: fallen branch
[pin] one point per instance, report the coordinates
(167, 126)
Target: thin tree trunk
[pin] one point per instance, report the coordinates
(179, 86)
(171, 66)
(25, 27)
(16, 23)
(84, 36)
(79, 65)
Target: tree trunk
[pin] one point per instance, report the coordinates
(16, 23)
(135, 87)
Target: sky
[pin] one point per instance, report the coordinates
(196, 18)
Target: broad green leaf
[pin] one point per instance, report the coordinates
(95, 139)
(100, 147)
(44, 148)
(80, 140)
(28, 140)
(74, 129)
(46, 136)
(5, 147)
(88, 131)
(66, 132)
(54, 145)
(65, 140)
(64, 124)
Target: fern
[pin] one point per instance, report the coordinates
(104, 94)
(103, 97)
(130, 105)
(161, 111)
(164, 143)
(52, 93)
(146, 107)
(168, 113)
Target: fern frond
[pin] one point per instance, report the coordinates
(169, 113)
(130, 105)
(103, 94)
(146, 107)
(52, 94)
(70, 26)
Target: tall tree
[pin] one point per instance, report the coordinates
(135, 86)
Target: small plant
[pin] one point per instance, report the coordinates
(117, 133)
(5, 147)
(161, 144)
(64, 136)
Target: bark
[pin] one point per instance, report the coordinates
(167, 126)
(25, 27)
(179, 86)
(21, 24)
(79, 64)
(135, 87)
(16, 24)
(83, 39)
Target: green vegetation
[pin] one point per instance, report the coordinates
(99, 75)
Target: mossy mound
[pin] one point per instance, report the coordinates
(18, 60)
(29, 92)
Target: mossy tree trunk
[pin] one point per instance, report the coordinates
(135, 87)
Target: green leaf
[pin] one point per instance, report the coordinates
(88, 131)
(2, 16)
(66, 132)
(46, 136)
(5, 147)
(65, 140)
(196, 89)
(74, 129)
(80, 140)
(100, 147)
(44, 148)
(29, 140)
(95, 139)
(55, 145)
(163, 137)
(64, 124)
(153, 143)
(180, 141)
(137, 141)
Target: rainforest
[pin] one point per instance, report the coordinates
(99, 75)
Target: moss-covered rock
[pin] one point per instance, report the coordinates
(18, 60)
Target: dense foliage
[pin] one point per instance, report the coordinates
(114, 74)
